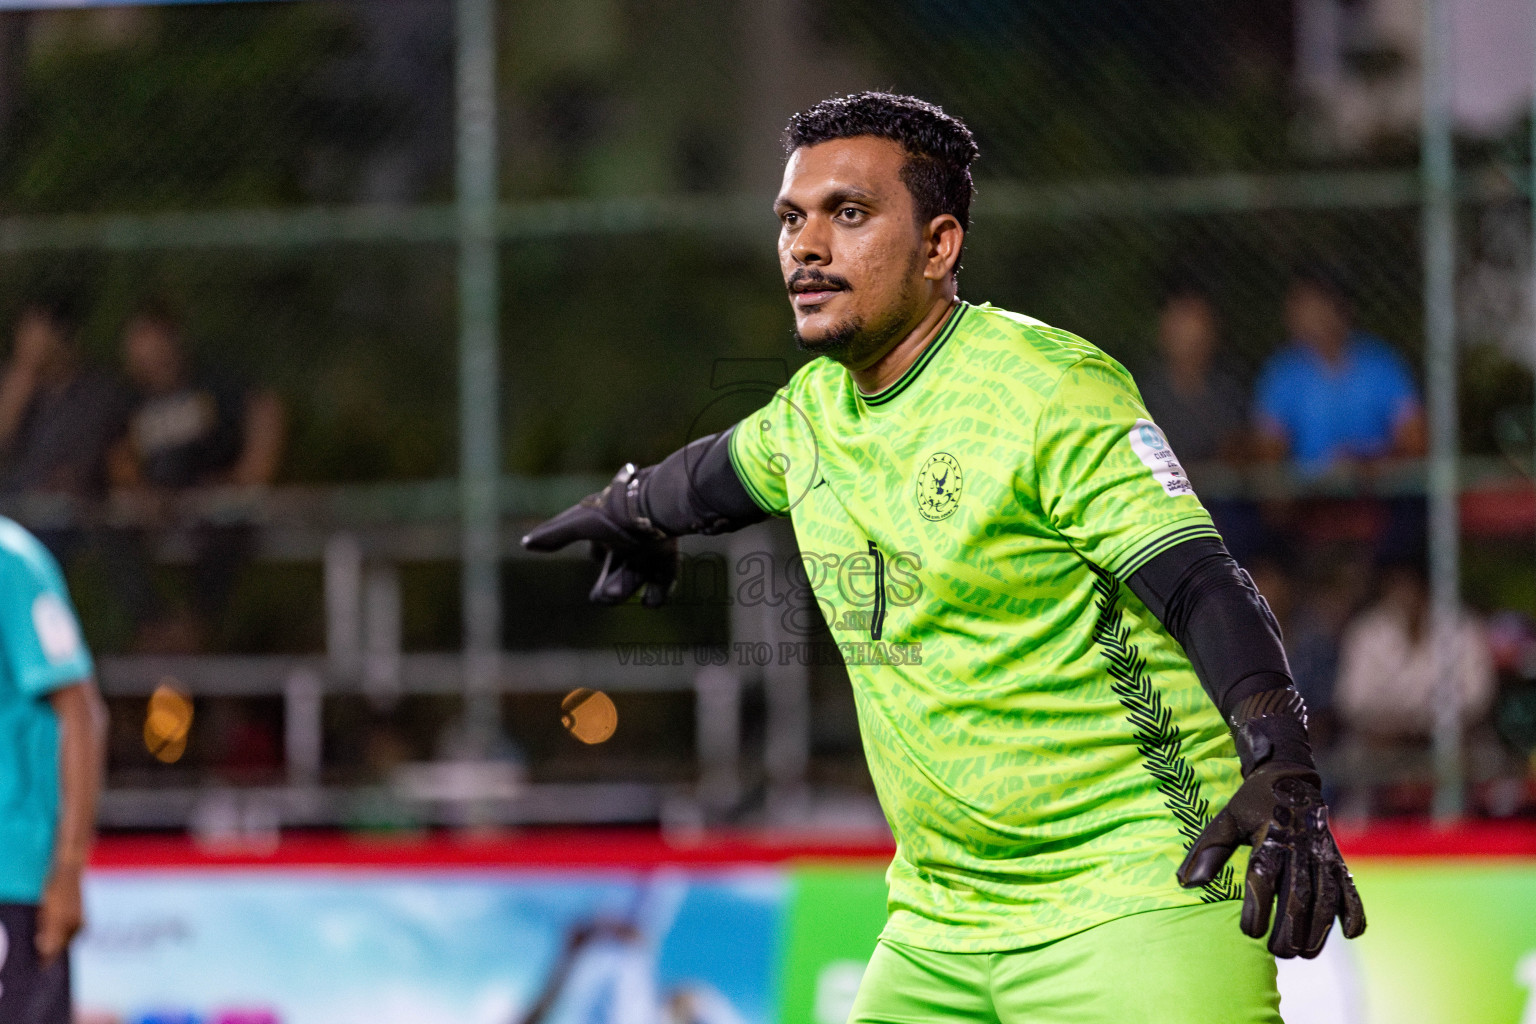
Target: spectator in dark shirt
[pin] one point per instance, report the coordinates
(1198, 402)
(192, 429)
(58, 415)
(1334, 394)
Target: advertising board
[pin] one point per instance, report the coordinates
(742, 936)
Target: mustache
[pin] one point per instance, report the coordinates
(809, 275)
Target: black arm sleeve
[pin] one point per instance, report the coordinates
(1211, 606)
(696, 490)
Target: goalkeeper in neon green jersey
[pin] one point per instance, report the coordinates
(1081, 709)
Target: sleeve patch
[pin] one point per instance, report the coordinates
(1152, 448)
(57, 632)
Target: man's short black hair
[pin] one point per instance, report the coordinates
(158, 311)
(1184, 286)
(1326, 277)
(940, 149)
(60, 310)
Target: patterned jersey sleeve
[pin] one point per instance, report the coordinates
(774, 453)
(39, 634)
(1106, 478)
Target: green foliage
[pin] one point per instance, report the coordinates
(243, 106)
(1060, 89)
(608, 343)
(612, 344)
(213, 106)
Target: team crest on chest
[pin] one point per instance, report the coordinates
(938, 487)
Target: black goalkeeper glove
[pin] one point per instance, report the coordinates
(634, 553)
(1296, 867)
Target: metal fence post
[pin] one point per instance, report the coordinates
(344, 604)
(717, 696)
(1531, 282)
(382, 634)
(479, 372)
(787, 693)
(303, 727)
(1439, 239)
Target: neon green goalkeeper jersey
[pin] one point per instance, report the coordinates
(1040, 745)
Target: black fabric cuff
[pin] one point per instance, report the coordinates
(1271, 725)
(1211, 607)
(696, 490)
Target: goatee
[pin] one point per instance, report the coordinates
(835, 344)
(854, 343)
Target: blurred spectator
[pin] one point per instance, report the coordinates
(1388, 670)
(1195, 398)
(190, 428)
(245, 749)
(1313, 655)
(1313, 603)
(380, 805)
(1512, 641)
(1512, 638)
(58, 415)
(1198, 400)
(1334, 394)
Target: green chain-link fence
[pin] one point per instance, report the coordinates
(283, 175)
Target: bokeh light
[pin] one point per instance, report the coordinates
(589, 715)
(167, 722)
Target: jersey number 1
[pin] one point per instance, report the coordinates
(877, 615)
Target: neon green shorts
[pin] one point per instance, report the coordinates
(1190, 965)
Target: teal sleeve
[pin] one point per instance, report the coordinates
(39, 632)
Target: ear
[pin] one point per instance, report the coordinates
(943, 239)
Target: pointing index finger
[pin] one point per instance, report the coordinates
(579, 522)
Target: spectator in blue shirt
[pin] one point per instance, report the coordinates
(50, 775)
(1334, 394)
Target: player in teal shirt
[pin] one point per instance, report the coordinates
(50, 769)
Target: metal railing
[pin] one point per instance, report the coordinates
(362, 535)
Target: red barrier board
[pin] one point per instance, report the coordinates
(649, 848)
